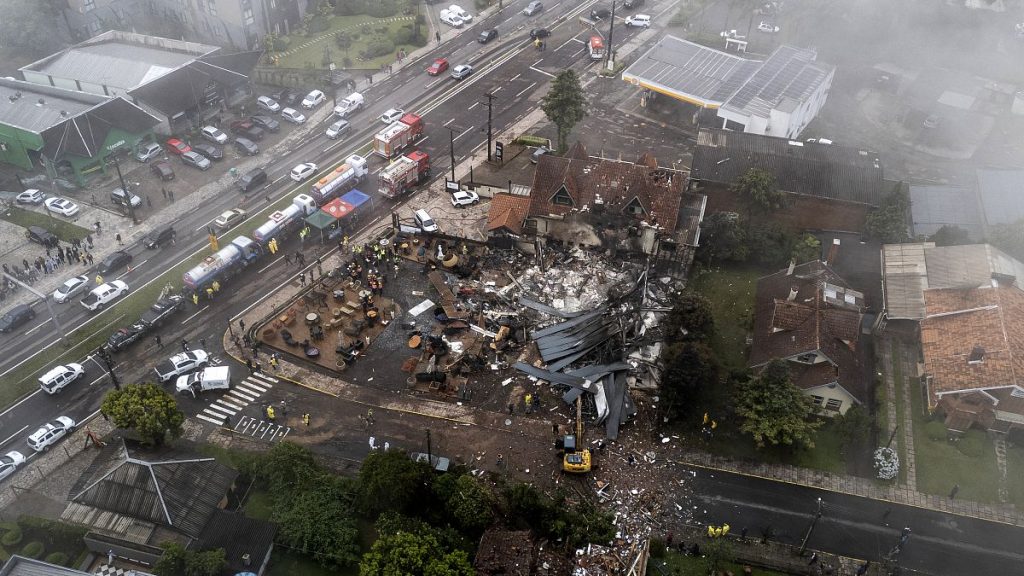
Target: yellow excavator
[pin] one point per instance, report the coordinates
(576, 459)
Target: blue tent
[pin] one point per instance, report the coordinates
(355, 198)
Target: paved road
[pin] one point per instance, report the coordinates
(858, 527)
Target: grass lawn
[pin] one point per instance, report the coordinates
(970, 462)
(301, 55)
(731, 293)
(673, 564)
(60, 227)
(1015, 474)
(898, 404)
(284, 562)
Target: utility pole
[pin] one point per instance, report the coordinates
(451, 147)
(490, 100)
(46, 301)
(110, 367)
(610, 65)
(127, 191)
(810, 529)
(430, 455)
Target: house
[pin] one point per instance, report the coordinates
(828, 186)
(630, 207)
(22, 566)
(968, 305)
(776, 97)
(808, 316)
(135, 498)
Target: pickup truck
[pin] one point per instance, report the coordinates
(151, 318)
(103, 295)
(211, 378)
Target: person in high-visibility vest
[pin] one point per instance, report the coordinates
(270, 413)
(195, 298)
(209, 293)
(215, 286)
(99, 279)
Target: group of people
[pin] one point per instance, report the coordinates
(55, 258)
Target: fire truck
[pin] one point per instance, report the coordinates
(596, 48)
(404, 173)
(390, 141)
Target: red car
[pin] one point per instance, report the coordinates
(177, 147)
(439, 66)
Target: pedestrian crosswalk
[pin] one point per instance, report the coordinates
(237, 398)
(269, 431)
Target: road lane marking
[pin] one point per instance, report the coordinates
(464, 132)
(514, 77)
(537, 62)
(11, 437)
(548, 74)
(198, 312)
(475, 104)
(525, 90)
(495, 91)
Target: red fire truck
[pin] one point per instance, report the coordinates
(390, 141)
(404, 173)
(596, 48)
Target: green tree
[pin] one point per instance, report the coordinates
(689, 376)
(806, 249)
(565, 105)
(319, 521)
(343, 40)
(889, 222)
(854, 429)
(468, 502)
(147, 409)
(409, 554)
(759, 192)
(722, 239)
(691, 318)
(289, 469)
(392, 481)
(177, 561)
(774, 411)
(717, 554)
(950, 236)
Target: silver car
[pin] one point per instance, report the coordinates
(196, 160)
(532, 8)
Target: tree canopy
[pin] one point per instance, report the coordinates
(759, 191)
(689, 376)
(392, 481)
(147, 409)
(950, 235)
(413, 554)
(318, 521)
(691, 318)
(889, 222)
(565, 105)
(469, 504)
(722, 239)
(177, 561)
(807, 248)
(774, 411)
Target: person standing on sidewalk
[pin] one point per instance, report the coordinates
(159, 343)
(954, 491)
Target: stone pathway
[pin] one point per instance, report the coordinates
(886, 366)
(904, 356)
(1000, 445)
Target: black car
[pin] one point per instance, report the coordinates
(247, 129)
(631, 4)
(15, 317)
(267, 123)
(209, 151)
(41, 236)
(163, 170)
(539, 33)
(124, 336)
(160, 237)
(600, 13)
(487, 35)
(163, 308)
(288, 97)
(246, 147)
(115, 261)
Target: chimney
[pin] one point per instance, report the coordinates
(792, 266)
(833, 251)
(977, 355)
(793, 291)
(246, 559)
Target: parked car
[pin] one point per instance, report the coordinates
(41, 236)
(15, 317)
(631, 4)
(61, 206)
(246, 147)
(438, 66)
(391, 115)
(458, 11)
(179, 364)
(533, 8)
(229, 218)
(148, 151)
(51, 433)
(450, 19)
(163, 170)
(177, 147)
(196, 160)
(269, 104)
(487, 35)
(539, 33)
(59, 377)
(160, 237)
(303, 171)
(247, 129)
(461, 71)
(767, 27)
(115, 261)
(540, 151)
(9, 463)
(104, 294)
(214, 134)
(313, 99)
(209, 151)
(465, 198)
(119, 197)
(336, 130)
(292, 115)
(30, 196)
(638, 21)
(600, 13)
(287, 96)
(424, 221)
(266, 123)
(70, 288)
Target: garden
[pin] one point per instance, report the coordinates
(43, 539)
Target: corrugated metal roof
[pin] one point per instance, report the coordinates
(789, 73)
(820, 170)
(239, 535)
(904, 278)
(85, 134)
(116, 63)
(1002, 195)
(20, 105)
(932, 207)
(21, 566)
(958, 267)
(691, 71)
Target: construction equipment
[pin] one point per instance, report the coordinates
(576, 459)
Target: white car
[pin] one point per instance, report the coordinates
(70, 288)
(313, 99)
(533, 8)
(292, 115)
(767, 27)
(229, 218)
(465, 198)
(61, 206)
(179, 364)
(30, 196)
(9, 463)
(214, 134)
(104, 294)
(458, 11)
(59, 377)
(267, 103)
(450, 19)
(303, 171)
(639, 21)
(50, 433)
(391, 115)
(461, 71)
(334, 131)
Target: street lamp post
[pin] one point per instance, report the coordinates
(127, 191)
(490, 100)
(810, 529)
(451, 147)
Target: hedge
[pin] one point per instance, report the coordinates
(11, 538)
(33, 549)
(58, 558)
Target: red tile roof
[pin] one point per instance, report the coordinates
(509, 212)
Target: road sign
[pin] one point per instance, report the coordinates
(498, 149)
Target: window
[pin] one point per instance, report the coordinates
(635, 207)
(89, 5)
(247, 15)
(562, 198)
(211, 7)
(818, 400)
(833, 405)
(807, 358)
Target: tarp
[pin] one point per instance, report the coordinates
(330, 213)
(355, 198)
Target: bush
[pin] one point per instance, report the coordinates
(33, 549)
(527, 140)
(936, 430)
(657, 548)
(346, 62)
(12, 538)
(58, 558)
(4, 555)
(378, 48)
(407, 35)
(281, 43)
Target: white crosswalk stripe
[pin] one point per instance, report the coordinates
(210, 420)
(237, 398)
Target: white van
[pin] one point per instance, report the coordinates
(212, 378)
(59, 377)
(424, 221)
(350, 104)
